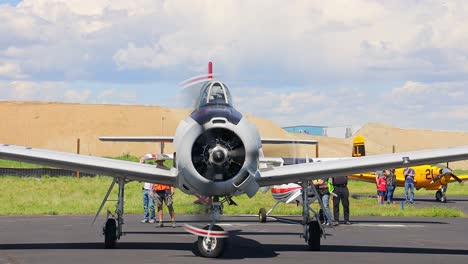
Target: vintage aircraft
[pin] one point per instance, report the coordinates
(217, 155)
(429, 177)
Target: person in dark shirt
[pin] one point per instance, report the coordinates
(391, 185)
(340, 185)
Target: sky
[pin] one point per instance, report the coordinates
(331, 63)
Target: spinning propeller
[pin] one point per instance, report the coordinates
(446, 172)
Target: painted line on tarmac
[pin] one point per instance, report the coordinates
(388, 225)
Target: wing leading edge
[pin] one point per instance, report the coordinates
(310, 171)
(171, 139)
(90, 164)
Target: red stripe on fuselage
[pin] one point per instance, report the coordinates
(284, 190)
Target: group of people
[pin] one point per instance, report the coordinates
(338, 188)
(387, 183)
(157, 194)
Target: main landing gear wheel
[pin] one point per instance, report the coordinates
(315, 233)
(262, 216)
(439, 195)
(211, 247)
(110, 233)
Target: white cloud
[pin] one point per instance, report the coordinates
(411, 88)
(301, 37)
(331, 54)
(62, 92)
(11, 71)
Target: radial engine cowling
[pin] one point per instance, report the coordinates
(217, 158)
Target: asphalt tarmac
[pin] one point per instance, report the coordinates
(72, 239)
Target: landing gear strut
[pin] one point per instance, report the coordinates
(210, 245)
(313, 230)
(112, 230)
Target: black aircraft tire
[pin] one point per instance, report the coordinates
(315, 233)
(262, 217)
(110, 233)
(203, 243)
(438, 195)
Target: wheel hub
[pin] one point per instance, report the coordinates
(209, 243)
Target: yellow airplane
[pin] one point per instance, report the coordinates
(428, 177)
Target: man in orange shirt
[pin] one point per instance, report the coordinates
(163, 194)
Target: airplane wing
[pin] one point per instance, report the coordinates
(171, 139)
(91, 164)
(138, 139)
(311, 171)
(288, 141)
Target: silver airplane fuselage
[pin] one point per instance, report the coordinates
(217, 148)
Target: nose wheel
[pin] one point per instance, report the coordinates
(209, 246)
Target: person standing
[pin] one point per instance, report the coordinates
(340, 185)
(148, 205)
(163, 194)
(324, 193)
(381, 188)
(391, 185)
(409, 184)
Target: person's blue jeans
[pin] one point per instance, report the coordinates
(409, 186)
(148, 202)
(390, 190)
(326, 205)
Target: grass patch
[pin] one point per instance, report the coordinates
(69, 195)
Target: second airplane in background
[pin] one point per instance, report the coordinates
(429, 177)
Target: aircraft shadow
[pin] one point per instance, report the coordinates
(237, 248)
(231, 232)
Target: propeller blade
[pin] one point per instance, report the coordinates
(445, 172)
(235, 153)
(456, 178)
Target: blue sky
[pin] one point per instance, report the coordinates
(332, 63)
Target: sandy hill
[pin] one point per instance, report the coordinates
(58, 126)
(380, 138)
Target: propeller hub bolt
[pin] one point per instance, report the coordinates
(218, 155)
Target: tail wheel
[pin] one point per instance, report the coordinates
(439, 195)
(211, 247)
(315, 233)
(262, 216)
(110, 233)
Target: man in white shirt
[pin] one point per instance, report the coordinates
(149, 216)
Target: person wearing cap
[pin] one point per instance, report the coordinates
(162, 193)
(391, 185)
(149, 215)
(409, 184)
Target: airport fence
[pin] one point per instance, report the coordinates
(40, 172)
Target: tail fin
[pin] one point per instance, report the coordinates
(359, 148)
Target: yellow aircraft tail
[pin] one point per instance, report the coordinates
(359, 148)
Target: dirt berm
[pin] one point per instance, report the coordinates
(57, 126)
